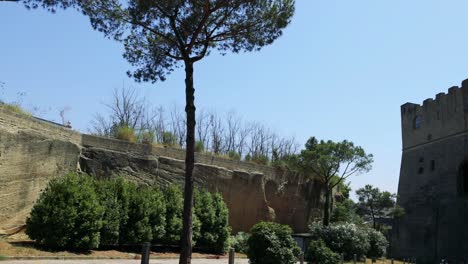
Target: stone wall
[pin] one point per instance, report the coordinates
(33, 151)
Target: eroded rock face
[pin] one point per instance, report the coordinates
(28, 160)
(32, 152)
(250, 197)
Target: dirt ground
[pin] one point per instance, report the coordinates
(20, 246)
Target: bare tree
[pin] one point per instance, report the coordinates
(203, 127)
(178, 125)
(233, 127)
(125, 109)
(217, 133)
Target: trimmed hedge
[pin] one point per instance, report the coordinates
(77, 212)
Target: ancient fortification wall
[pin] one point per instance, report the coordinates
(431, 188)
(34, 151)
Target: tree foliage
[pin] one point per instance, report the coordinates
(378, 204)
(67, 215)
(333, 162)
(213, 214)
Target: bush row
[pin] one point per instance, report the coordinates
(346, 238)
(77, 212)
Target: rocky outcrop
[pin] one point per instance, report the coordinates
(32, 152)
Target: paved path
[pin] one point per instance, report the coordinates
(113, 261)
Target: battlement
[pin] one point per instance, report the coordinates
(435, 118)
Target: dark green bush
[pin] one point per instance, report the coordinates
(318, 253)
(146, 216)
(272, 243)
(199, 146)
(168, 139)
(113, 211)
(378, 244)
(239, 242)
(213, 214)
(79, 213)
(174, 209)
(67, 215)
(234, 155)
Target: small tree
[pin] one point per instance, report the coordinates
(333, 162)
(378, 204)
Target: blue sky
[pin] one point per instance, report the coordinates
(340, 71)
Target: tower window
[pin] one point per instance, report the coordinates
(421, 170)
(463, 179)
(432, 165)
(418, 120)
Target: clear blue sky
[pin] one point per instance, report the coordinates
(340, 71)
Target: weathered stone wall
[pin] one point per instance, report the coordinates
(434, 225)
(32, 152)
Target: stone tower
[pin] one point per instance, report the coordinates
(433, 186)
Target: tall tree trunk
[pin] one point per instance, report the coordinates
(326, 207)
(186, 239)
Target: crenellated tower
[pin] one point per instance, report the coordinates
(433, 185)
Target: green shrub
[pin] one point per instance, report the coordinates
(126, 133)
(260, 159)
(168, 139)
(272, 243)
(213, 214)
(234, 155)
(378, 244)
(146, 216)
(67, 215)
(174, 210)
(318, 253)
(239, 242)
(199, 146)
(146, 137)
(345, 238)
(114, 210)
(15, 107)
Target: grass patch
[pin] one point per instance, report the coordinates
(15, 108)
(3, 258)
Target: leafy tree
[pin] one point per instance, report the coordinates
(158, 36)
(345, 212)
(378, 204)
(333, 162)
